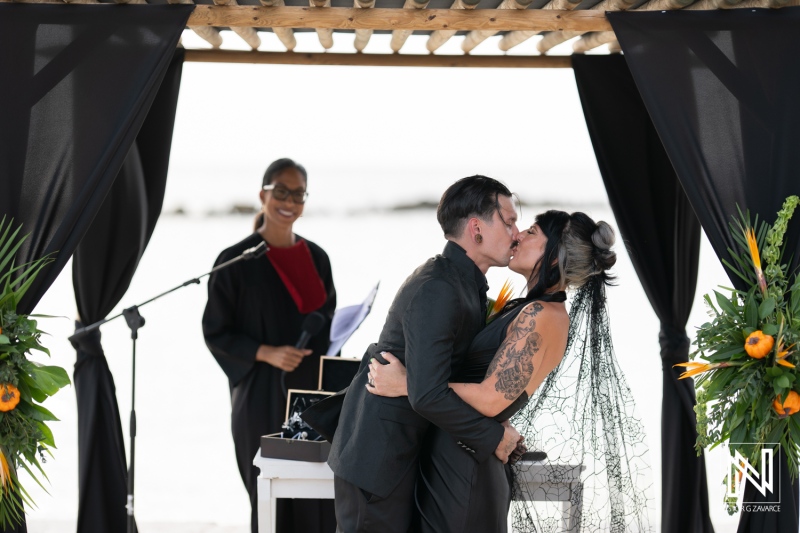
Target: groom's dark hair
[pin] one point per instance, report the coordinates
(475, 196)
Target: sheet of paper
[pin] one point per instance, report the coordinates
(347, 319)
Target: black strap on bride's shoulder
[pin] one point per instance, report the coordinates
(560, 296)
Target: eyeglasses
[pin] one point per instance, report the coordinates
(282, 193)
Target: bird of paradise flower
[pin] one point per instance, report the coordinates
(496, 305)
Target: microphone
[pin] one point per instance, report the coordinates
(312, 325)
(255, 251)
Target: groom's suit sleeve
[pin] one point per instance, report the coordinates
(431, 323)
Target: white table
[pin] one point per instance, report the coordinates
(553, 483)
(281, 478)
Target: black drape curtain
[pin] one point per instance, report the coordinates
(662, 235)
(121, 229)
(78, 84)
(80, 81)
(721, 88)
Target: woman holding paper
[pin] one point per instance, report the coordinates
(252, 321)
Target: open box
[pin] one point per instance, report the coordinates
(336, 373)
(297, 449)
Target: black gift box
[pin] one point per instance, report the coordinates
(336, 373)
(297, 449)
(313, 451)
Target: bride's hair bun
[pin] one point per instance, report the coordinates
(603, 239)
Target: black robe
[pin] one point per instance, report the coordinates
(248, 305)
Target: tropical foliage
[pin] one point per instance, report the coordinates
(25, 437)
(746, 355)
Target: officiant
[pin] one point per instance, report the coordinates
(252, 322)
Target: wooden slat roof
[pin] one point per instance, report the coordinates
(472, 21)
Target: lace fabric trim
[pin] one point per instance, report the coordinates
(583, 417)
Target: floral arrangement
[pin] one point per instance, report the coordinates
(747, 389)
(24, 384)
(496, 305)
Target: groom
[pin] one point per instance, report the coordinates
(430, 325)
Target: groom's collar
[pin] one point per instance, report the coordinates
(467, 266)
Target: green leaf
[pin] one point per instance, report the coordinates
(4, 339)
(726, 352)
(726, 305)
(28, 388)
(37, 412)
(766, 308)
(49, 379)
(769, 329)
(707, 298)
(783, 382)
(751, 312)
(48, 435)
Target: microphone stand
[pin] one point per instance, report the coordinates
(135, 321)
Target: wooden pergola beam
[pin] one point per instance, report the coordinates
(377, 60)
(399, 37)
(343, 18)
(514, 38)
(437, 38)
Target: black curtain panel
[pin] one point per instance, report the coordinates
(79, 83)
(121, 229)
(84, 79)
(721, 88)
(662, 236)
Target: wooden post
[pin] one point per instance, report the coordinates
(439, 37)
(399, 37)
(476, 37)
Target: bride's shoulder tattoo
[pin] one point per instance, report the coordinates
(513, 363)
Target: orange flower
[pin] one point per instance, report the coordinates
(9, 397)
(693, 368)
(789, 406)
(783, 353)
(750, 235)
(502, 298)
(757, 345)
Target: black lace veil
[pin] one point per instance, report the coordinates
(596, 476)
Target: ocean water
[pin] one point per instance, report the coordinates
(372, 139)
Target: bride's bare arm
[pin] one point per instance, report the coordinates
(523, 360)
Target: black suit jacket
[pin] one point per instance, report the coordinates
(430, 325)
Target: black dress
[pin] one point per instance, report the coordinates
(249, 305)
(454, 493)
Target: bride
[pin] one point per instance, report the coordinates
(508, 361)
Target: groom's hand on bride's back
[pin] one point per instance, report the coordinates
(511, 438)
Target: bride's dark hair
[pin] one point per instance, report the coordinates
(577, 249)
(582, 415)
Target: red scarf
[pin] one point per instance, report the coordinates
(296, 269)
